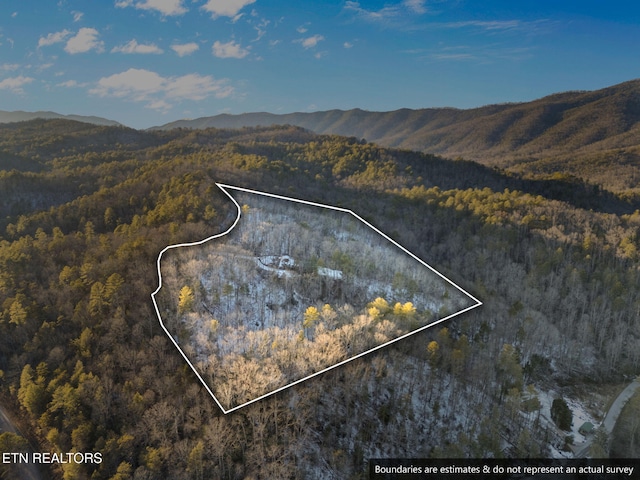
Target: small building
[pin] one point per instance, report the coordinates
(586, 428)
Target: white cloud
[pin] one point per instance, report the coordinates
(310, 42)
(159, 105)
(185, 48)
(534, 27)
(135, 83)
(68, 84)
(9, 67)
(261, 29)
(52, 38)
(347, 45)
(71, 84)
(165, 7)
(196, 87)
(77, 16)
(134, 47)
(302, 29)
(85, 40)
(225, 8)
(237, 18)
(15, 84)
(486, 25)
(483, 54)
(373, 15)
(14, 14)
(158, 92)
(390, 13)
(453, 56)
(416, 6)
(229, 50)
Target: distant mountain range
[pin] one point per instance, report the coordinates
(591, 134)
(20, 116)
(594, 135)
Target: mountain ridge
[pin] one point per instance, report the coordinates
(22, 116)
(591, 135)
(497, 134)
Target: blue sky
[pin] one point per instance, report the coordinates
(148, 62)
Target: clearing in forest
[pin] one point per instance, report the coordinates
(291, 290)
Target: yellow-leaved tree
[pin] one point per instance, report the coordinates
(186, 299)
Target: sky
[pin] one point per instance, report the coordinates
(150, 62)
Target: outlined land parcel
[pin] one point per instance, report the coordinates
(290, 290)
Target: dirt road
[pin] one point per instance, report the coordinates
(24, 471)
(611, 418)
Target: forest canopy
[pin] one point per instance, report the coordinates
(85, 364)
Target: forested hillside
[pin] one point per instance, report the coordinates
(84, 363)
(590, 135)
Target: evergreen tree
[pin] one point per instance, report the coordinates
(561, 414)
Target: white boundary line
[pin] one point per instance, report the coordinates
(224, 188)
